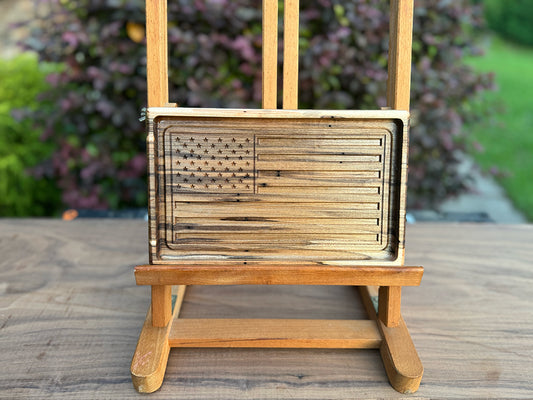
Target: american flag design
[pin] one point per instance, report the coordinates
(309, 189)
(213, 164)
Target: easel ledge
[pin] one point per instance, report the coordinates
(285, 274)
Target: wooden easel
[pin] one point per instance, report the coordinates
(379, 263)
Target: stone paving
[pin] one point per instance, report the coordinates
(486, 197)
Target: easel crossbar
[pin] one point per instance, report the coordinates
(275, 333)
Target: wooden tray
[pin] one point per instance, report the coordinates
(295, 186)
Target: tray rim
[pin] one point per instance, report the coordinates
(153, 113)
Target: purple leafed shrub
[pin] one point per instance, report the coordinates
(214, 53)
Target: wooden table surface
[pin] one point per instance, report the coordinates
(70, 316)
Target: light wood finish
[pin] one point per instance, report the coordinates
(270, 54)
(403, 366)
(390, 299)
(161, 307)
(157, 87)
(275, 333)
(254, 166)
(150, 358)
(400, 45)
(285, 274)
(70, 317)
(156, 53)
(274, 114)
(291, 19)
(219, 166)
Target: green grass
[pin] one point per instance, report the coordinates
(508, 136)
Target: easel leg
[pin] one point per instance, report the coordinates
(151, 355)
(390, 300)
(161, 305)
(402, 364)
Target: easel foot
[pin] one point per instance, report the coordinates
(150, 358)
(149, 361)
(400, 358)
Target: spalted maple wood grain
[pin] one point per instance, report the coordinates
(70, 317)
(277, 185)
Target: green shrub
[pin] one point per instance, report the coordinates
(512, 19)
(215, 61)
(21, 193)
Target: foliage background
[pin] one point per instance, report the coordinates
(512, 19)
(20, 146)
(214, 53)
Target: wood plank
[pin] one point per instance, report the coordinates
(322, 191)
(343, 179)
(264, 157)
(157, 53)
(275, 333)
(287, 194)
(275, 238)
(291, 21)
(353, 256)
(322, 145)
(276, 275)
(280, 210)
(276, 245)
(70, 318)
(312, 226)
(400, 49)
(211, 251)
(318, 163)
(270, 54)
(291, 162)
(151, 354)
(362, 254)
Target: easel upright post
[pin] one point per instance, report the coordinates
(400, 45)
(156, 53)
(270, 54)
(157, 84)
(398, 98)
(290, 54)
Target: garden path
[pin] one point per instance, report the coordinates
(485, 196)
(12, 11)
